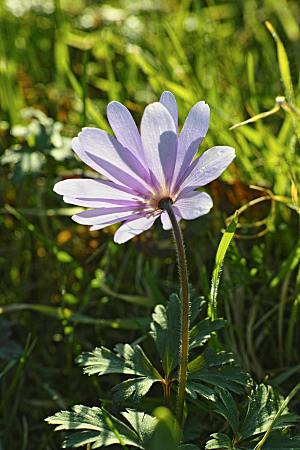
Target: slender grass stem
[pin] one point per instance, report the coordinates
(166, 204)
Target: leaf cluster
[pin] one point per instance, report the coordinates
(207, 369)
(261, 416)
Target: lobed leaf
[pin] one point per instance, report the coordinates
(97, 427)
(226, 407)
(279, 442)
(219, 441)
(211, 370)
(201, 332)
(142, 423)
(127, 360)
(263, 405)
(165, 330)
(103, 361)
(133, 388)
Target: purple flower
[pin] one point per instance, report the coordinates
(143, 168)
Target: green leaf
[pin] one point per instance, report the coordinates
(202, 331)
(134, 388)
(95, 426)
(136, 358)
(194, 389)
(210, 358)
(279, 442)
(228, 378)
(278, 418)
(221, 252)
(165, 330)
(219, 441)
(127, 360)
(263, 405)
(226, 407)
(214, 369)
(142, 423)
(196, 306)
(102, 361)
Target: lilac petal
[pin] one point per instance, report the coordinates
(100, 203)
(96, 189)
(192, 134)
(125, 129)
(102, 215)
(107, 156)
(165, 220)
(193, 204)
(112, 222)
(160, 142)
(133, 228)
(208, 167)
(169, 102)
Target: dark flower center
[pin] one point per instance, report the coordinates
(164, 203)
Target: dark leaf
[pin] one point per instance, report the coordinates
(165, 330)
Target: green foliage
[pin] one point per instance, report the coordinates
(128, 360)
(206, 369)
(202, 331)
(219, 441)
(213, 369)
(165, 330)
(38, 140)
(261, 416)
(263, 405)
(98, 427)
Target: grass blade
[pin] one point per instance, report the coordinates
(221, 252)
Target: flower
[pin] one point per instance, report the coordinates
(141, 169)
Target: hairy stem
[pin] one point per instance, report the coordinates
(185, 307)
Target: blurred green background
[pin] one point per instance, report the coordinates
(65, 289)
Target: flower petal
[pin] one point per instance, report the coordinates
(101, 203)
(133, 228)
(193, 204)
(208, 167)
(192, 134)
(165, 220)
(110, 222)
(97, 189)
(107, 156)
(125, 129)
(99, 216)
(160, 142)
(169, 102)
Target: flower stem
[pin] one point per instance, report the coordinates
(185, 309)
